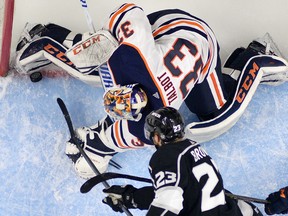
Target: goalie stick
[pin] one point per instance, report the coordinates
(75, 140)
(89, 184)
(87, 15)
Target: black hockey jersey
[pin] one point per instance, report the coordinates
(187, 182)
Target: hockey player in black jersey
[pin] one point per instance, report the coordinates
(185, 179)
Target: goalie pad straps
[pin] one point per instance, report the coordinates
(246, 87)
(93, 51)
(45, 50)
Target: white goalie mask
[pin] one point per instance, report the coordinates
(125, 102)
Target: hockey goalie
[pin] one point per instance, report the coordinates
(145, 62)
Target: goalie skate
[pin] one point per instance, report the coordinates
(270, 47)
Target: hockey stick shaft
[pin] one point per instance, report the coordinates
(89, 184)
(73, 137)
(87, 16)
(246, 198)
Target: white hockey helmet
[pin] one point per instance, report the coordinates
(125, 102)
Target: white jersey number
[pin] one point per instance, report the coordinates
(208, 202)
(163, 178)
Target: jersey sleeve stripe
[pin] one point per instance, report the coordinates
(149, 71)
(118, 135)
(207, 65)
(121, 10)
(219, 94)
(179, 28)
(178, 23)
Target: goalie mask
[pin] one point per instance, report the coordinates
(167, 122)
(125, 102)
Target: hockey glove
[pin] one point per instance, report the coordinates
(123, 194)
(72, 150)
(278, 202)
(90, 136)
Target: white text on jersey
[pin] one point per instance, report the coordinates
(198, 153)
(168, 87)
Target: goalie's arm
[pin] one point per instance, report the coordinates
(130, 25)
(121, 136)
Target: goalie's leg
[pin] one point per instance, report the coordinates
(275, 73)
(247, 83)
(60, 34)
(33, 32)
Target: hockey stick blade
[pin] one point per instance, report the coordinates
(89, 184)
(76, 142)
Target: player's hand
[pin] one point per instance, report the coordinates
(72, 150)
(278, 202)
(116, 193)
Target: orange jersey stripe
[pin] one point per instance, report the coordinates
(117, 13)
(117, 135)
(207, 65)
(219, 96)
(150, 72)
(163, 28)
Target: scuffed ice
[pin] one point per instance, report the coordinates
(37, 178)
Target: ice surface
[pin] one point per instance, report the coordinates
(38, 179)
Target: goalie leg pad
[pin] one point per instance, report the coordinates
(275, 70)
(248, 82)
(30, 33)
(43, 51)
(247, 85)
(30, 59)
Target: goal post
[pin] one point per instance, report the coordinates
(6, 23)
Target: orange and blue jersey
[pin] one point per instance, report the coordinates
(173, 55)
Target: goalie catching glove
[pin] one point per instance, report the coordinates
(94, 143)
(93, 51)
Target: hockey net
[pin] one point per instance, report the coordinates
(6, 23)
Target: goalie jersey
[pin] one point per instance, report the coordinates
(172, 55)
